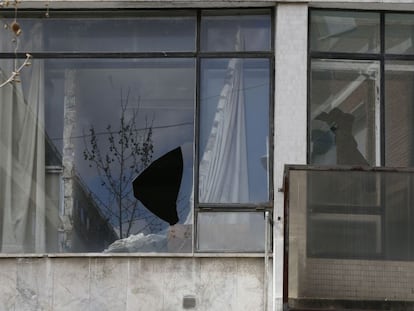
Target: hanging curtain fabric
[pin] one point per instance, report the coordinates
(223, 167)
(22, 164)
(223, 170)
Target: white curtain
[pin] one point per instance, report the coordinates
(223, 170)
(22, 163)
(223, 167)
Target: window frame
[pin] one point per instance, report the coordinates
(198, 55)
(233, 207)
(381, 57)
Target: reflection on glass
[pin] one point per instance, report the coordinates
(399, 33)
(227, 231)
(344, 95)
(68, 159)
(235, 33)
(345, 31)
(131, 114)
(399, 113)
(234, 131)
(85, 34)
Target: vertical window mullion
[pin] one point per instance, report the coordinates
(197, 135)
(381, 126)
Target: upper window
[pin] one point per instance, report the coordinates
(360, 88)
(236, 31)
(346, 32)
(126, 131)
(126, 32)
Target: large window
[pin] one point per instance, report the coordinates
(144, 131)
(361, 66)
(361, 114)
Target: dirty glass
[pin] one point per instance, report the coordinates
(344, 111)
(238, 32)
(344, 214)
(399, 113)
(350, 238)
(147, 33)
(345, 31)
(231, 231)
(399, 34)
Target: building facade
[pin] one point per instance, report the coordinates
(206, 155)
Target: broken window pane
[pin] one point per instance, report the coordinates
(98, 134)
(131, 113)
(68, 178)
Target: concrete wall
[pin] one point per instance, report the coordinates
(137, 283)
(359, 279)
(290, 117)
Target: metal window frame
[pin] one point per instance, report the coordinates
(198, 55)
(381, 57)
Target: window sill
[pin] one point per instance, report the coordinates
(136, 255)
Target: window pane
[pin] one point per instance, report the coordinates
(234, 127)
(344, 99)
(399, 33)
(344, 31)
(84, 34)
(227, 231)
(29, 185)
(236, 33)
(399, 113)
(343, 209)
(351, 247)
(105, 122)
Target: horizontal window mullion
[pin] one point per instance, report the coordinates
(141, 55)
(335, 55)
(235, 54)
(102, 55)
(232, 207)
(398, 57)
(355, 56)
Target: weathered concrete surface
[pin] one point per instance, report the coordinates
(138, 283)
(290, 118)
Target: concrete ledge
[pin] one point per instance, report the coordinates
(136, 255)
(122, 4)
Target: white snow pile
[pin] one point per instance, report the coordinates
(139, 243)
